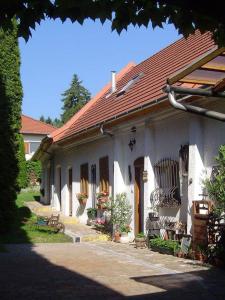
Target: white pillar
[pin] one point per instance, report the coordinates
(196, 165)
(118, 166)
(149, 158)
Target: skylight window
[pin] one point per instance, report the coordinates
(129, 84)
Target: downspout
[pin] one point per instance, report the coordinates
(105, 131)
(190, 108)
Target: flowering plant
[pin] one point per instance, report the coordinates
(82, 196)
(102, 195)
(103, 200)
(121, 212)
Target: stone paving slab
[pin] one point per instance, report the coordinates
(103, 271)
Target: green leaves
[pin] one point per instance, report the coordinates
(216, 184)
(187, 16)
(74, 99)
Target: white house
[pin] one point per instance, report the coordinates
(33, 132)
(129, 138)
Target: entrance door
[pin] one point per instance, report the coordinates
(93, 185)
(70, 190)
(139, 195)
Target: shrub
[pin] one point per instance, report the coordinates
(121, 211)
(33, 172)
(22, 176)
(168, 245)
(216, 186)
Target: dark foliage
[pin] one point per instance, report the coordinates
(186, 15)
(33, 172)
(22, 176)
(10, 121)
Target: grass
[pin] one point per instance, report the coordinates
(24, 229)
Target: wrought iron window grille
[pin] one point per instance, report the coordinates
(167, 192)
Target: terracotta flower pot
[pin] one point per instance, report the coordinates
(83, 201)
(116, 237)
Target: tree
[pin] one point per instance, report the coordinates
(22, 176)
(10, 121)
(56, 122)
(186, 15)
(42, 118)
(49, 121)
(74, 99)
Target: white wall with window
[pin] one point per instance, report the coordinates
(31, 144)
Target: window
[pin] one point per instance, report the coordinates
(84, 178)
(31, 147)
(34, 146)
(129, 84)
(104, 174)
(167, 192)
(27, 147)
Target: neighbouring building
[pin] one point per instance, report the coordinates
(33, 132)
(129, 138)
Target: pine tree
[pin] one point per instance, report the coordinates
(10, 122)
(74, 99)
(42, 118)
(49, 121)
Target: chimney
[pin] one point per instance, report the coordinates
(113, 79)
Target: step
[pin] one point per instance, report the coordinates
(78, 237)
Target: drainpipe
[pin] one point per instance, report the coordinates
(105, 131)
(194, 109)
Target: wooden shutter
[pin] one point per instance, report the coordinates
(27, 147)
(104, 174)
(84, 178)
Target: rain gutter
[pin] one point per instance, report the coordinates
(172, 90)
(118, 117)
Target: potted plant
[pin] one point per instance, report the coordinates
(82, 198)
(117, 236)
(140, 240)
(124, 237)
(103, 199)
(121, 212)
(201, 253)
(92, 214)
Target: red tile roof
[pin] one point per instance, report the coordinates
(148, 88)
(32, 126)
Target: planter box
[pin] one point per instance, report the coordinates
(162, 250)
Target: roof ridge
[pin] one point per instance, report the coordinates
(56, 134)
(38, 121)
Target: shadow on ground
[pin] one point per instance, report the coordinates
(28, 275)
(204, 284)
(25, 274)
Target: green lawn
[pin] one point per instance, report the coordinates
(24, 229)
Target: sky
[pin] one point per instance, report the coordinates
(56, 51)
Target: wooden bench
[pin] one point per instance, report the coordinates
(52, 221)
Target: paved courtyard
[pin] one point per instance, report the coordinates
(103, 270)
